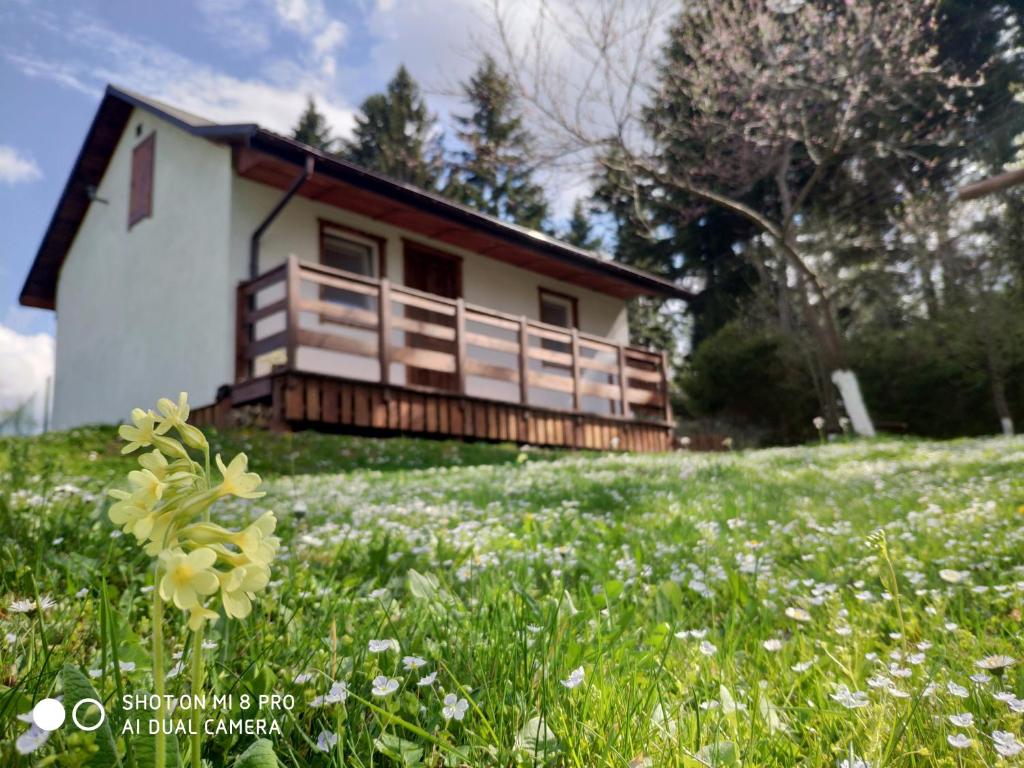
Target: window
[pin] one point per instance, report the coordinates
(557, 309)
(140, 197)
(352, 252)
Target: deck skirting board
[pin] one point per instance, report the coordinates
(301, 400)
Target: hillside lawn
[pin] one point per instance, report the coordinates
(592, 610)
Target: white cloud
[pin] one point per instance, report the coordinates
(95, 53)
(26, 361)
(300, 46)
(16, 168)
(231, 24)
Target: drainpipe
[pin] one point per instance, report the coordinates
(254, 243)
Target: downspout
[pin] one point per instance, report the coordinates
(254, 243)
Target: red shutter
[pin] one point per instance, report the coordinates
(140, 199)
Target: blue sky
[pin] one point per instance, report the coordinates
(230, 60)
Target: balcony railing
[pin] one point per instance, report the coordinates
(307, 317)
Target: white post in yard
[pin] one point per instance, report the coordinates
(849, 389)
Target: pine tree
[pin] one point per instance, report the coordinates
(579, 231)
(396, 135)
(494, 173)
(313, 129)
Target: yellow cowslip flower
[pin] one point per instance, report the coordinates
(131, 514)
(238, 481)
(238, 587)
(176, 415)
(256, 541)
(156, 463)
(140, 435)
(198, 614)
(187, 576)
(148, 487)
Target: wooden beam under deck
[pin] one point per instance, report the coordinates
(309, 401)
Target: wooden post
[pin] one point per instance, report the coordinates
(384, 329)
(524, 361)
(664, 386)
(624, 383)
(460, 345)
(293, 295)
(576, 399)
(242, 334)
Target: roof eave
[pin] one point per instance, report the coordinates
(295, 152)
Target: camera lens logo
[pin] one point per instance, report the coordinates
(49, 714)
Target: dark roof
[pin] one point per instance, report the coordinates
(112, 117)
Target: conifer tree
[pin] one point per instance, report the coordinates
(579, 231)
(313, 129)
(494, 171)
(396, 135)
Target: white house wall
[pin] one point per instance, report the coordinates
(148, 312)
(485, 282)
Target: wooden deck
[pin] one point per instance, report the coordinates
(304, 401)
(322, 348)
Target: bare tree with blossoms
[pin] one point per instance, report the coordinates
(754, 106)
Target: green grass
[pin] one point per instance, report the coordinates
(716, 603)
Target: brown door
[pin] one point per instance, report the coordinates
(440, 274)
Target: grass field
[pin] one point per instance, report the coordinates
(581, 610)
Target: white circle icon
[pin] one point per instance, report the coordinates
(94, 726)
(48, 714)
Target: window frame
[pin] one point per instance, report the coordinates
(343, 232)
(544, 293)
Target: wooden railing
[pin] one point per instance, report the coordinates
(307, 317)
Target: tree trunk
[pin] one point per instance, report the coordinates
(998, 383)
(821, 319)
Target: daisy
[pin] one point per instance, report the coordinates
(574, 679)
(454, 707)
(849, 699)
(23, 606)
(798, 614)
(959, 741)
(338, 692)
(427, 680)
(1006, 743)
(995, 663)
(384, 686)
(326, 741)
(382, 646)
(31, 740)
(957, 690)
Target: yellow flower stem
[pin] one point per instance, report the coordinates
(206, 457)
(159, 684)
(197, 687)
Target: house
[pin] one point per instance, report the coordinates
(256, 272)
